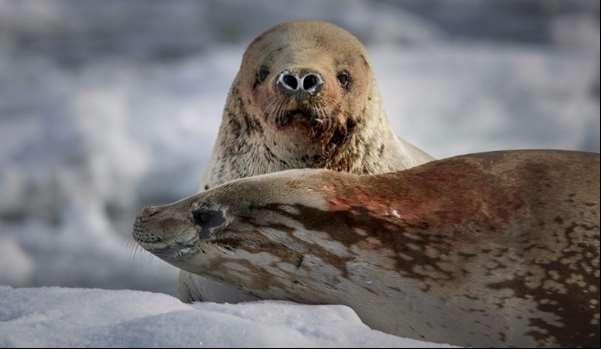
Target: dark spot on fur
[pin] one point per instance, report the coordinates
(338, 137)
(299, 261)
(261, 75)
(228, 243)
(235, 126)
(350, 124)
(341, 135)
(364, 60)
(269, 155)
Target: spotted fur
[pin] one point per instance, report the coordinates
(492, 249)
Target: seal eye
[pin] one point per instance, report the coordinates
(262, 74)
(344, 79)
(206, 220)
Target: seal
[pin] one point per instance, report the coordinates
(304, 97)
(491, 249)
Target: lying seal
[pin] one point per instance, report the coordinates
(304, 97)
(492, 249)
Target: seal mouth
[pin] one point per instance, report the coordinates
(179, 248)
(184, 245)
(328, 129)
(306, 116)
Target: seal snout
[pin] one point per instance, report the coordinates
(299, 85)
(141, 232)
(158, 225)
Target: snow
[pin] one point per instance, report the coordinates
(21, 264)
(60, 317)
(107, 108)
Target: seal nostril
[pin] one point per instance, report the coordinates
(290, 81)
(310, 82)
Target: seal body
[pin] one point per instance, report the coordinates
(304, 97)
(492, 249)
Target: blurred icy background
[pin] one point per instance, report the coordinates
(106, 106)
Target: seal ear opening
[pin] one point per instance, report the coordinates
(206, 219)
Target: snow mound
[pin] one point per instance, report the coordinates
(61, 317)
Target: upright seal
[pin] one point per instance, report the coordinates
(304, 97)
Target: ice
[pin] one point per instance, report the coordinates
(60, 317)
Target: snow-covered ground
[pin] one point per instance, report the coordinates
(60, 317)
(109, 106)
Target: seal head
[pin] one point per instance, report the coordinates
(305, 97)
(310, 83)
